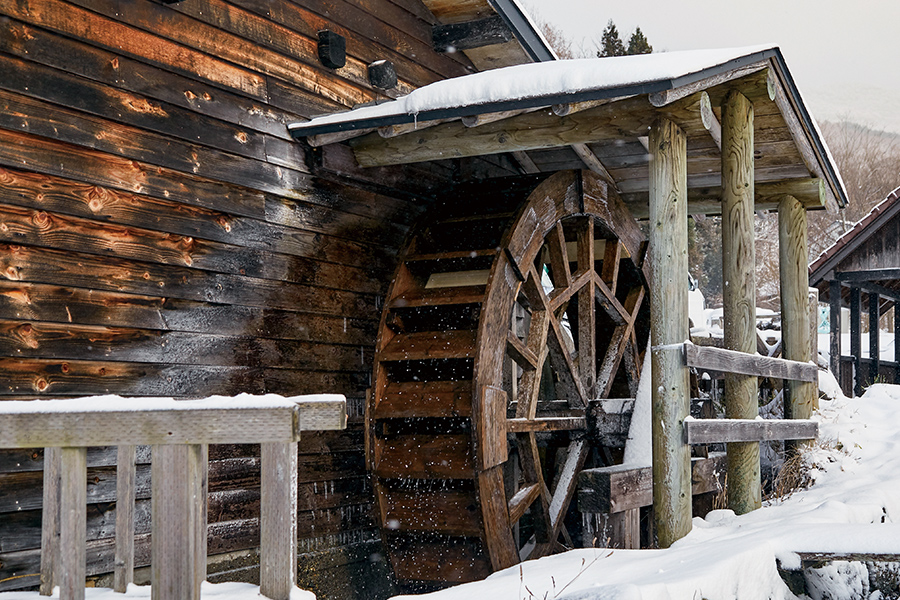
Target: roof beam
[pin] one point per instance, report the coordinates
(627, 118)
(810, 192)
(472, 34)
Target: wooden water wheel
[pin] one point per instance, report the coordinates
(509, 317)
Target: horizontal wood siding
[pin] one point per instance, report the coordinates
(162, 235)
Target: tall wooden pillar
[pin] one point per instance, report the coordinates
(800, 396)
(874, 341)
(856, 339)
(834, 297)
(739, 295)
(668, 330)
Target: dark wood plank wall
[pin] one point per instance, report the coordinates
(160, 234)
(880, 251)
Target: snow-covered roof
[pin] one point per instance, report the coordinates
(542, 84)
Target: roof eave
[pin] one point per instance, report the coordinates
(299, 130)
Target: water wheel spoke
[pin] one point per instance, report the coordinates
(529, 388)
(559, 258)
(576, 454)
(522, 501)
(609, 303)
(521, 353)
(609, 272)
(530, 461)
(564, 365)
(587, 315)
(560, 297)
(622, 345)
(618, 344)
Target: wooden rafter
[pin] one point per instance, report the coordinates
(627, 118)
(810, 191)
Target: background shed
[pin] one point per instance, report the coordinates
(861, 270)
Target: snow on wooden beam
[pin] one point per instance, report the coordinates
(188, 422)
(618, 488)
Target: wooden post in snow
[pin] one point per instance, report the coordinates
(739, 294)
(668, 330)
(834, 297)
(856, 339)
(278, 520)
(874, 341)
(800, 396)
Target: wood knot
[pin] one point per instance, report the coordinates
(41, 219)
(102, 371)
(65, 367)
(41, 384)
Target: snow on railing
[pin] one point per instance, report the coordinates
(179, 432)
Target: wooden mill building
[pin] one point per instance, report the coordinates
(472, 274)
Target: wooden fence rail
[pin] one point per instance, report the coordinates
(179, 433)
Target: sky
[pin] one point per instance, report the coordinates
(844, 55)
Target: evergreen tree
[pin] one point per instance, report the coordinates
(638, 44)
(611, 44)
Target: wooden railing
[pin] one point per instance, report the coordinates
(179, 434)
(710, 431)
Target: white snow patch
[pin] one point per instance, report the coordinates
(208, 591)
(852, 507)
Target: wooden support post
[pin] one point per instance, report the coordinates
(278, 520)
(177, 499)
(814, 341)
(874, 341)
(813, 311)
(50, 521)
(896, 342)
(834, 298)
(73, 522)
(625, 529)
(739, 295)
(856, 339)
(669, 329)
(124, 561)
(795, 310)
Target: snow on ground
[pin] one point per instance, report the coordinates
(208, 591)
(852, 506)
